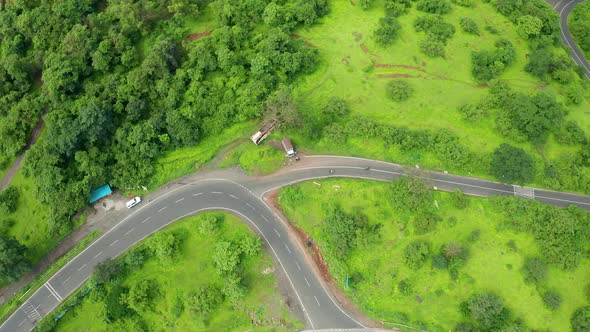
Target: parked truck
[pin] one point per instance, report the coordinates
(263, 132)
(289, 150)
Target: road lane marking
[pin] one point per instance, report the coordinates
(112, 244)
(21, 323)
(68, 278)
(289, 250)
(232, 196)
(298, 267)
(217, 192)
(263, 217)
(307, 282)
(129, 231)
(146, 219)
(53, 292)
(81, 267)
(250, 206)
(277, 232)
(316, 299)
(100, 253)
(180, 200)
(162, 209)
(197, 194)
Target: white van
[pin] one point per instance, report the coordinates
(133, 202)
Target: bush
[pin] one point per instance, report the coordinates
(250, 246)
(8, 200)
(469, 26)
(139, 295)
(571, 133)
(397, 7)
(512, 164)
(552, 300)
(135, 259)
(489, 64)
(425, 223)
(534, 270)
(587, 292)
(226, 258)
(387, 31)
(435, 26)
(416, 254)
(164, 246)
(487, 311)
(439, 262)
(410, 193)
(204, 301)
(458, 199)
(405, 287)
(581, 320)
(432, 47)
(399, 90)
(209, 224)
(474, 235)
(434, 6)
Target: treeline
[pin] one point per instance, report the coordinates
(113, 106)
(579, 24)
(125, 302)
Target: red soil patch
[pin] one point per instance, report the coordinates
(397, 75)
(365, 48)
(387, 65)
(295, 36)
(195, 36)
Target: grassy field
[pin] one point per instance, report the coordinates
(256, 160)
(355, 68)
(492, 266)
(194, 268)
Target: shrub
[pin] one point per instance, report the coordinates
(399, 90)
(410, 193)
(139, 295)
(587, 292)
(425, 223)
(405, 287)
(164, 246)
(552, 300)
(365, 4)
(489, 64)
(439, 262)
(209, 224)
(512, 164)
(416, 254)
(204, 301)
(474, 235)
(397, 7)
(458, 199)
(135, 259)
(534, 270)
(8, 200)
(571, 133)
(487, 310)
(432, 47)
(387, 31)
(469, 26)
(250, 246)
(226, 258)
(435, 26)
(528, 25)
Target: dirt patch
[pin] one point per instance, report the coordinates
(320, 264)
(423, 64)
(309, 44)
(387, 65)
(295, 36)
(353, 3)
(195, 36)
(357, 36)
(396, 75)
(364, 48)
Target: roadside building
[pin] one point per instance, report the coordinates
(100, 192)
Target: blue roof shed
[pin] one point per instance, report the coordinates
(99, 193)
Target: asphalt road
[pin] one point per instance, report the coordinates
(235, 192)
(564, 8)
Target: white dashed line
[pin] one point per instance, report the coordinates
(232, 196)
(179, 200)
(162, 209)
(263, 217)
(307, 282)
(316, 299)
(277, 232)
(112, 244)
(250, 206)
(289, 250)
(146, 219)
(68, 278)
(298, 267)
(81, 267)
(100, 253)
(129, 231)
(217, 192)
(197, 194)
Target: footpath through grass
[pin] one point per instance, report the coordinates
(171, 302)
(385, 288)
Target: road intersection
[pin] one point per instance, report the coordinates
(233, 191)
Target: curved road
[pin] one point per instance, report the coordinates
(564, 8)
(233, 191)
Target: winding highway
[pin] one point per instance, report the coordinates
(564, 8)
(233, 191)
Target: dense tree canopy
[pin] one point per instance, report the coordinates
(512, 164)
(13, 260)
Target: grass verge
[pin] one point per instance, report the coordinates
(255, 160)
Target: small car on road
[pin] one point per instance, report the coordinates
(133, 202)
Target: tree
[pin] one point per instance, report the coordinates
(416, 254)
(281, 107)
(13, 260)
(552, 300)
(250, 246)
(489, 64)
(405, 287)
(434, 6)
(487, 310)
(139, 295)
(226, 258)
(528, 26)
(425, 223)
(458, 199)
(8, 200)
(104, 271)
(534, 270)
(205, 300)
(399, 90)
(135, 259)
(512, 164)
(581, 320)
(342, 231)
(410, 194)
(164, 245)
(397, 7)
(209, 224)
(387, 31)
